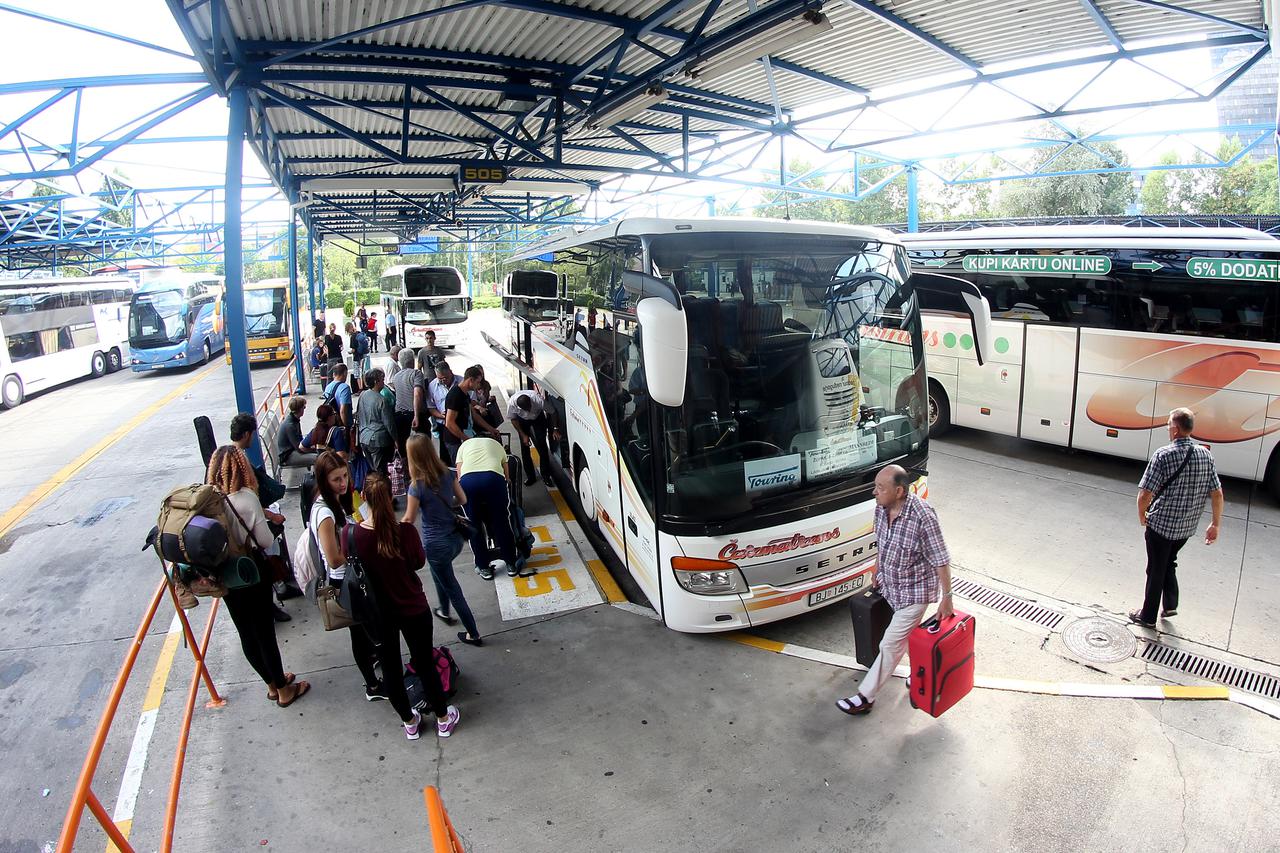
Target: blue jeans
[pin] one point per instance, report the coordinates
(441, 552)
(489, 508)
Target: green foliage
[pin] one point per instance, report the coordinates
(349, 307)
(368, 296)
(1072, 195)
(43, 190)
(1246, 186)
(335, 297)
(487, 302)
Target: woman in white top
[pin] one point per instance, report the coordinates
(250, 607)
(333, 478)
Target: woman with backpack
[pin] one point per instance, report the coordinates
(434, 493)
(250, 607)
(391, 554)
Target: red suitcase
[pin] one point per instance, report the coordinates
(941, 663)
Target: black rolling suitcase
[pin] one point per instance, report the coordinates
(871, 615)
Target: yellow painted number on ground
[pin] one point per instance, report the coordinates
(541, 583)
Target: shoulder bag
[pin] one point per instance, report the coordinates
(356, 593)
(332, 614)
(461, 524)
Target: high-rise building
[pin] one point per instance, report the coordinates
(1250, 100)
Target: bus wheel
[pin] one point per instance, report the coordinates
(115, 360)
(99, 365)
(11, 393)
(586, 495)
(208, 353)
(939, 410)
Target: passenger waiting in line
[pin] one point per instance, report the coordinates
(327, 434)
(411, 395)
(430, 355)
(244, 427)
(316, 355)
(317, 328)
(487, 405)
(460, 421)
(338, 394)
(327, 518)
(371, 329)
(250, 606)
(289, 447)
(377, 423)
(391, 328)
(333, 344)
(437, 392)
(482, 473)
(434, 494)
(391, 554)
(393, 366)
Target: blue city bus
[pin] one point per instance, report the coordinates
(174, 322)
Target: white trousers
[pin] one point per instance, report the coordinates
(892, 648)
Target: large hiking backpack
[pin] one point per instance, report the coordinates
(192, 528)
(362, 344)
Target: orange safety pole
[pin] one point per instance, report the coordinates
(75, 811)
(215, 701)
(442, 836)
(180, 754)
(113, 832)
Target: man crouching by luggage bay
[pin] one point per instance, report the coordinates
(912, 564)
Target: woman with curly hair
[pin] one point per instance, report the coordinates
(250, 606)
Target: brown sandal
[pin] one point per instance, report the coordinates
(273, 694)
(863, 706)
(303, 688)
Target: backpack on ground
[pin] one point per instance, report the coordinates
(446, 668)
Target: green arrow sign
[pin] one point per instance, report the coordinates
(1150, 266)
(1246, 269)
(1038, 264)
(933, 262)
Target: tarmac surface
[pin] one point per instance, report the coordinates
(594, 728)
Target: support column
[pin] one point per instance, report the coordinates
(311, 279)
(233, 261)
(311, 276)
(320, 272)
(299, 357)
(913, 199)
(470, 287)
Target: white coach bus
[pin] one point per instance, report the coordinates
(1101, 330)
(53, 331)
(425, 299)
(728, 389)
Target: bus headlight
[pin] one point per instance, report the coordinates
(708, 577)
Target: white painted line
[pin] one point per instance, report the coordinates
(131, 782)
(562, 583)
(1257, 703)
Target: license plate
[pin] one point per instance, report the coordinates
(842, 588)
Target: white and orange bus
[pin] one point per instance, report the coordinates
(1100, 330)
(728, 389)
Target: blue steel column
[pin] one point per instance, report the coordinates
(319, 256)
(311, 280)
(913, 199)
(233, 261)
(299, 357)
(470, 288)
(315, 286)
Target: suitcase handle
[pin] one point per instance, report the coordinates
(933, 625)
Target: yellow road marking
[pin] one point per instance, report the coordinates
(33, 498)
(757, 642)
(604, 580)
(160, 677)
(1180, 691)
(562, 507)
(125, 827)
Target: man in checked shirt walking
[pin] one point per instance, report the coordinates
(1171, 499)
(912, 563)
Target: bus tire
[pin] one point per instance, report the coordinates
(939, 410)
(1272, 478)
(98, 365)
(11, 392)
(115, 360)
(582, 483)
(208, 353)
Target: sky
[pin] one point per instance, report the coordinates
(37, 50)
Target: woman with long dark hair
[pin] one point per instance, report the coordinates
(391, 554)
(327, 521)
(250, 607)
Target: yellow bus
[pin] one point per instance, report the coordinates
(266, 320)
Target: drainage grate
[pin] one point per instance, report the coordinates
(1214, 670)
(1008, 604)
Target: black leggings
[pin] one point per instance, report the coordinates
(251, 610)
(417, 632)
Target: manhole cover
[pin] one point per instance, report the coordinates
(1099, 640)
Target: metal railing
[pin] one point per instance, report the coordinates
(84, 795)
(286, 386)
(444, 838)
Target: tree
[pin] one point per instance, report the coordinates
(1085, 194)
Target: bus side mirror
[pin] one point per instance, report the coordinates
(665, 349)
(469, 304)
(951, 295)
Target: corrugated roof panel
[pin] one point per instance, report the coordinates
(1134, 21)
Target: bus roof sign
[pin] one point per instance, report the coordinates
(1247, 269)
(1038, 264)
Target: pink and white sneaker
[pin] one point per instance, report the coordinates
(411, 729)
(445, 727)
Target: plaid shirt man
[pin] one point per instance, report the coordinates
(910, 552)
(1179, 504)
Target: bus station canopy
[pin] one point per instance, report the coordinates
(385, 119)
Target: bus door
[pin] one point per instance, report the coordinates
(1048, 378)
(602, 459)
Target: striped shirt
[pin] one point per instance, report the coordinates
(910, 552)
(1179, 505)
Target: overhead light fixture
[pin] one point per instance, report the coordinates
(788, 33)
(629, 108)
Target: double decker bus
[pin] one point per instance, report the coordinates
(53, 331)
(425, 299)
(1101, 330)
(728, 390)
(173, 322)
(266, 320)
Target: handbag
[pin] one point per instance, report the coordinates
(356, 593)
(360, 468)
(332, 614)
(395, 473)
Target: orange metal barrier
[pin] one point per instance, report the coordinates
(444, 838)
(286, 386)
(84, 795)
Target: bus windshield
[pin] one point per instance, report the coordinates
(805, 370)
(157, 318)
(435, 310)
(264, 313)
(431, 282)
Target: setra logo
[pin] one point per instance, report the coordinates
(733, 551)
